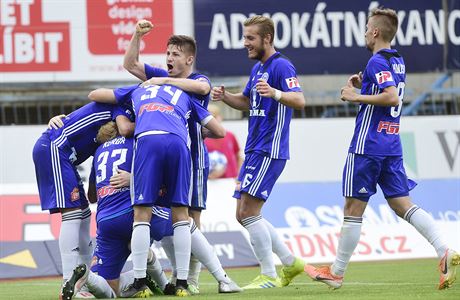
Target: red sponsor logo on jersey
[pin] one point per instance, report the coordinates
(156, 107)
(388, 127)
(292, 82)
(383, 76)
(75, 194)
(109, 190)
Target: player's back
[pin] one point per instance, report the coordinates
(377, 127)
(80, 130)
(116, 154)
(161, 108)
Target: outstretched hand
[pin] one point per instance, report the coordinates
(218, 93)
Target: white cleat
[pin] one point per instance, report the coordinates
(230, 287)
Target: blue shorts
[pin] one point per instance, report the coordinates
(258, 175)
(161, 160)
(114, 237)
(362, 173)
(59, 184)
(199, 189)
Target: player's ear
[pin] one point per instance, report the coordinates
(190, 60)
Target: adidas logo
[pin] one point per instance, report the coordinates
(100, 261)
(362, 190)
(141, 197)
(264, 193)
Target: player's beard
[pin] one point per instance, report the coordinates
(259, 52)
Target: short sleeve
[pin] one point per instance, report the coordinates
(380, 72)
(198, 112)
(154, 72)
(123, 94)
(123, 110)
(287, 77)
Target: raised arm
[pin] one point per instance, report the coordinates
(236, 101)
(131, 59)
(102, 95)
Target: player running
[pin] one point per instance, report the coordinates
(375, 154)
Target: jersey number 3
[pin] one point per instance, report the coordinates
(396, 110)
(102, 162)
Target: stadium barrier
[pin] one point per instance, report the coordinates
(305, 205)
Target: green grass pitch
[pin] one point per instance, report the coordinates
(405, 279)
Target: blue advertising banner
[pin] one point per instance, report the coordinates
(324, 37)
(453, 51)
(310, 205)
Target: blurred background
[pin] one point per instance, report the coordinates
(53, 53)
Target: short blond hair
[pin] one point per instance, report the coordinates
(266, 26)
(107, 132)
(386, 21)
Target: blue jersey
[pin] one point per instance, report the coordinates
(81, 127)
(268, 126)
(110, 156)
(377, 127)
(198, 148)
(161, 108)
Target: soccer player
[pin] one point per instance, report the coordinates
(375, 154)
(161, 156)
(270, 96)
(180, 57)
(109, 187)
(68, 142)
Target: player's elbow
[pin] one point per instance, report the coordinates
(392, 100)
(129, 65)
(125, 127)
(300, 102)
(220, 133)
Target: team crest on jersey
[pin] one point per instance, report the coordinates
(264, 76)
(292, 82)
(383, 76)
(75, 194)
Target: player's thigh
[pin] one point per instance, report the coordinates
(112, 245)
(148, 164)
(360, 176)
(58, 183)
(177, 173)
(393, 179)
(260, 174)
(161, 223)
